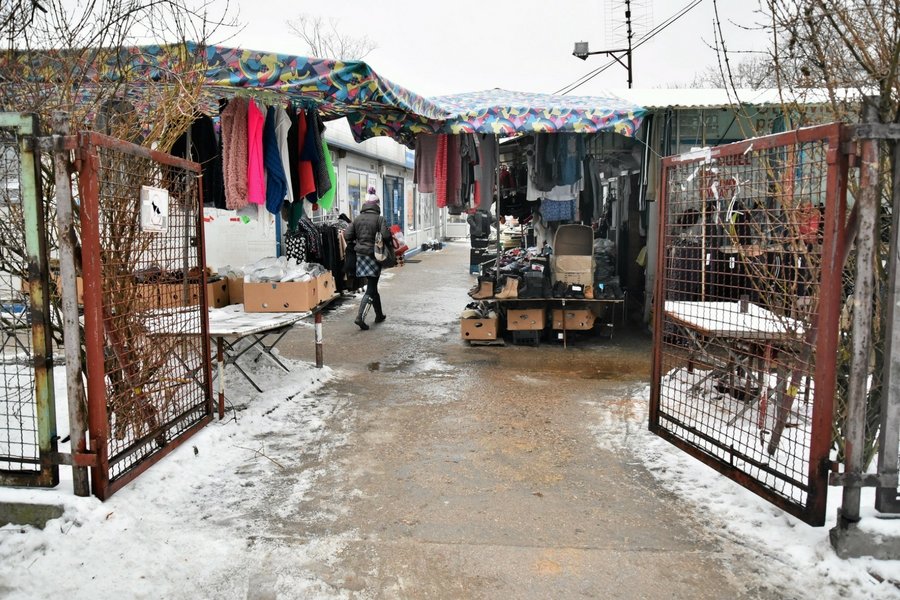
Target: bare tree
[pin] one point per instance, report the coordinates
(324, 38)
(751, 72)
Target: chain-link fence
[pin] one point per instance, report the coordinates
(748, 293)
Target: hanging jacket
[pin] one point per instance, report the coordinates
(205, 149)
(283, 126)
(234, 153)
(276, 182)
(256, 175)
(305, 168)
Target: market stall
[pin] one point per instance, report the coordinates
(546, 184)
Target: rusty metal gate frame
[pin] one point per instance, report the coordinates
(45, 472)
(96, 312)
(812, 508)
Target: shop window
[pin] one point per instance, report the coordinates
(425, 211)
(357, 183)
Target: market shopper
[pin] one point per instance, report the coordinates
(362, 231)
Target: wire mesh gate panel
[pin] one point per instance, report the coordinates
(146, 322)
(746, 314)
(27, 416)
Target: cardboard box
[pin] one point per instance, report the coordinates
(217, 294)
(171, 295)
(325, 287)
(79, 286)
(580, 319)
(146, 296)
(236, 290)
(529, 319)
(573, 269)
(478, 329)
(291, 296)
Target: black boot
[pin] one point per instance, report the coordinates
(379, 314)
(363, 310)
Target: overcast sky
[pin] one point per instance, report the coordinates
(436, 48)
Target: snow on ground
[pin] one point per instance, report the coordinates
(799, 557)
(193, 525)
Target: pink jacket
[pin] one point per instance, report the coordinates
(256, 171)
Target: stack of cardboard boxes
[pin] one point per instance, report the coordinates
(293, 296)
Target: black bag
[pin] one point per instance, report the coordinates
(350, 262)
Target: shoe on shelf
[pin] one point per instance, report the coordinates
(510, 288)
(485, 289)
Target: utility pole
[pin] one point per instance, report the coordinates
(582, 52)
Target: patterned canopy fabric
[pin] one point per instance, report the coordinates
(503, 112)
(375, 106)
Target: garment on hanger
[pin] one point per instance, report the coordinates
(282, 130)
(558, 210)
(276, 182)
(205, 149)
(234, 153)
(256, 172)
(447, 170)
(426, 153)
(468, 156)
(486, 171)
(544, 155)
(569, 156)
(306, 181)
(327, 200)
(312, 151)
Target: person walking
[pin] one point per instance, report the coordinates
(362, 231)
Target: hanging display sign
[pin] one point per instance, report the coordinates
(154, 209)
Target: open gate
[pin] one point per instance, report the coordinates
(747, 299)
(145, 316)
(27, 417)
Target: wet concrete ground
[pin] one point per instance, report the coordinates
(475, 472)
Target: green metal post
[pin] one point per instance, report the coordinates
(38, 280)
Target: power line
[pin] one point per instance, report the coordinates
(646, 38)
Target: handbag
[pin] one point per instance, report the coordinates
(381, 251)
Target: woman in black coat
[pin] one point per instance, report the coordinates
(362, 231)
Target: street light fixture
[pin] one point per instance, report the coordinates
(582, 51)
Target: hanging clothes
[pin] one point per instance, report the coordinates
(276, 182)
(468, 158)
(326, 201)
(569, 154)
(293, 149)
(312, 151)
(486, 171)
(306, 180)
(234, 153)
(256, 174)
(282, 134)
(544, 156)
(426, 153)
(205, 149)
(446, 170)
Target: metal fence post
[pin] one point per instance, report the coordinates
(36, 248)
(886, 498)
(854, 444)
(69, 299)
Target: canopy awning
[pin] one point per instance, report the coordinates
(373, 105)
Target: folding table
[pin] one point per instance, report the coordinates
(229, 325)
(747, 333)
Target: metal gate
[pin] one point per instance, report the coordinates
(747, 306)
(27, 417)
(146, 326)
